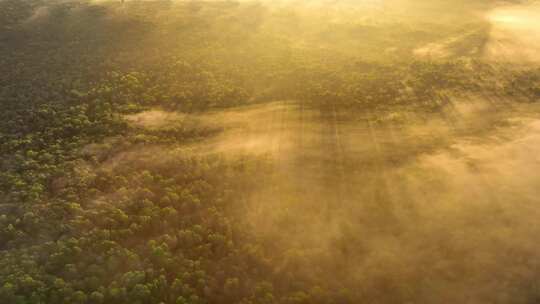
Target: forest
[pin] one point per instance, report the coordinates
(261, 152)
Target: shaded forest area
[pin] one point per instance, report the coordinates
(99, 205)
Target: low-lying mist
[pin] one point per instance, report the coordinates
(399, 213)
(399, 206)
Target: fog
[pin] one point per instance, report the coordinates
(399, 204)
(402, 206)
(514, 33)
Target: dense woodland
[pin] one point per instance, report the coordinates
(79, 226)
